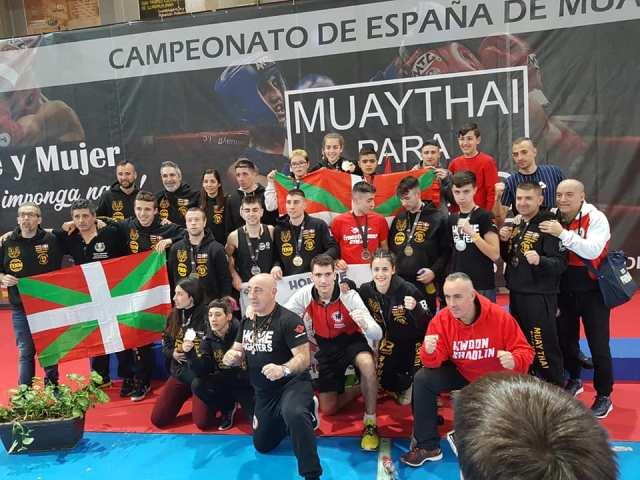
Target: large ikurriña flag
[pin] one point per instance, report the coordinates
(97, 308)
(330, 190)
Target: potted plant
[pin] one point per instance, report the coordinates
(46, 417)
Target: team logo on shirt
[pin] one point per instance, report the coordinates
(309, 244)
(287, 249)
(42, 252)
(133, 246)
(117, 206)
(154, 239)
(118, 216)
(182, 255)
(133, 235)
(398, 314)
(401, 224)
(337, 320)
(100, 247)
(399, 238)
(264, 246)
(201, 267)
(285, 236)
(182, 270)
(218, 212)
(13, 252)
(164, 203)
(15, 265)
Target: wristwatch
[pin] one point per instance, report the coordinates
(286, 371)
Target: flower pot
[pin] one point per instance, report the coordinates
(52, 434)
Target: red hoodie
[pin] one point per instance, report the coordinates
(473, 348)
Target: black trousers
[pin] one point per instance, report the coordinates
(595, 315)
(397, 363)
(536, 315)
(427, 384)
(125, 365)
(289, 410)
(222, 391)
(143, 357)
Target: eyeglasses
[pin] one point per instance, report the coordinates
(28, 214)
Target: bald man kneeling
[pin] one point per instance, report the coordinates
(274, 343)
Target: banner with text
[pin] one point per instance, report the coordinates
(204, 89)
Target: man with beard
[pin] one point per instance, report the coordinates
(28, 250)
(117, 202)
(176, 197)
(199, 253)
(534, 267)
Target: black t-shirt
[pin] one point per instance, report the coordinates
(471, 260)
(106, 244)
(263, 253)
(277, 335)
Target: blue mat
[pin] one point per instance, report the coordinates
(160, 457)
(626, 359)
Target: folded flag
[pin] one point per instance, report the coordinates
(97, 308)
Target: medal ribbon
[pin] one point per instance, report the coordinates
(364, 233)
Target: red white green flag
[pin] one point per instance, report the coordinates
(97, 308)
(330, 190)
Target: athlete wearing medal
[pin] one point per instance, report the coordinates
(475, 237)
(274, 342)
(420, 240)
(250, 248)
(298, 238)
(402, 312)
(360, 231)
(534, 267)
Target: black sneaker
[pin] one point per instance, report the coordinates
(226, 420)
(574, 387)
(140, 392)
(127, 387)
(602, 406)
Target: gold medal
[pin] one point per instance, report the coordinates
(408, 250)
(297, 261)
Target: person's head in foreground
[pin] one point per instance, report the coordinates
(516, 427)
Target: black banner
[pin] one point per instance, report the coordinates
(202, 90)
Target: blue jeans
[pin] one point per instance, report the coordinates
(27, 350)
(490, 294)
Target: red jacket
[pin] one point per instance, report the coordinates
(473, 348)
